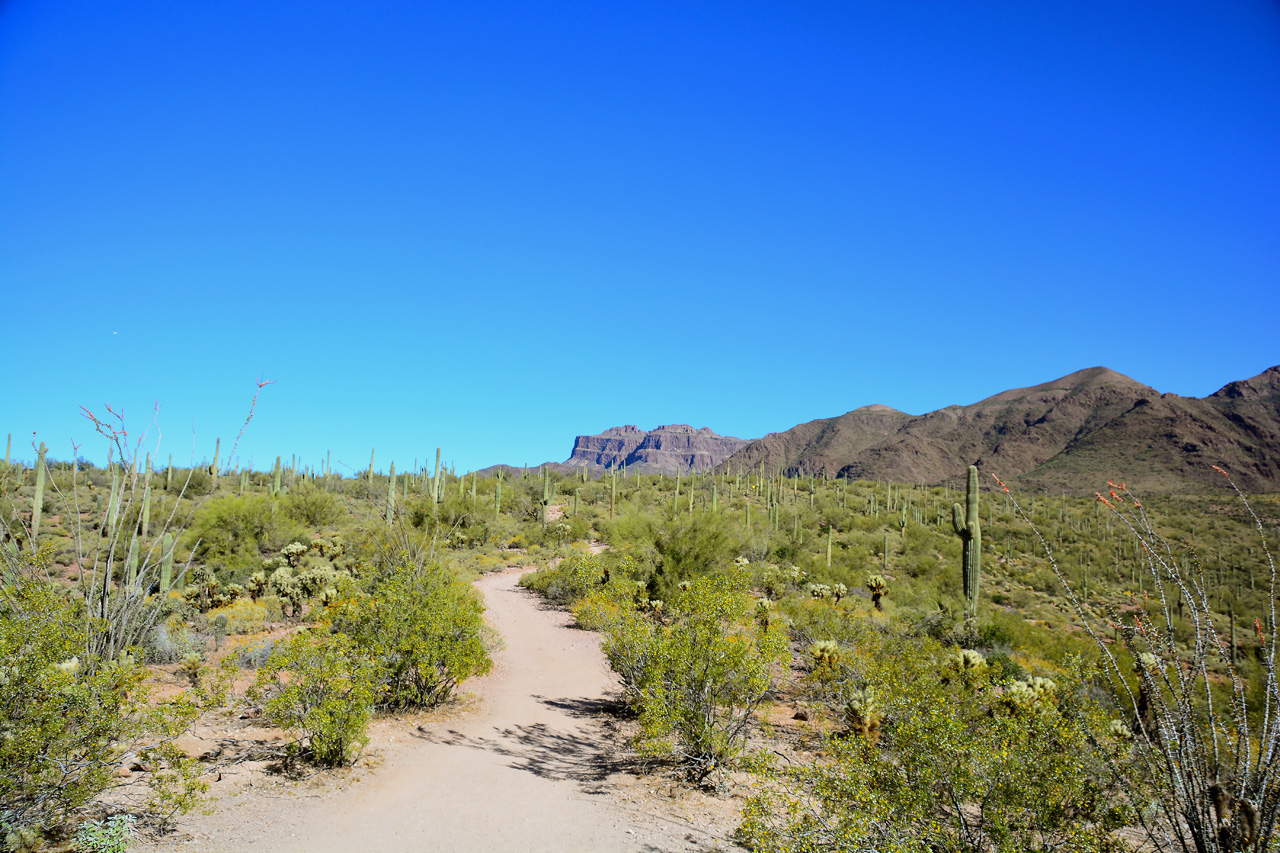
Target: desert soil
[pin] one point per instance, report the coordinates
(532, 760)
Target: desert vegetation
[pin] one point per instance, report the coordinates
(870, 665)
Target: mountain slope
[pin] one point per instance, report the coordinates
(1071, 434)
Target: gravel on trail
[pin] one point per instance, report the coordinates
(534, 767)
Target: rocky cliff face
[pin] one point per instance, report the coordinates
(670, 448)
(606, 450)
(680, 447)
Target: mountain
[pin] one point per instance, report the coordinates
(666, 449)
(1071, 434)
(671, 448)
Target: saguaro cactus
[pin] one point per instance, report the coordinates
(965, 521)
(166, 563)
(391, 495)
(213, 469)
(37, 500)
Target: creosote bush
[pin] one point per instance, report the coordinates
(320, 684)
(419, 625)
(695, 668)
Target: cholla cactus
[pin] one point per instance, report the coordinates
(764, 612)
(1021, 695)
(1147, 663)
(741, 562)
(328, 596)
(1120, 730)
(684, 586)
(825, 653)
(819, 590)
(190, 667)
(257, 585)
(71, 666)
(969, 663)
(294, 552)
(863, 714)
(839, 591)
(878, 587)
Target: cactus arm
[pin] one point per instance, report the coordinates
(956, 522)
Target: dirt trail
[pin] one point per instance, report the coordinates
(531, 769)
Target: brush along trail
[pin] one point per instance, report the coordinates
(533, 766)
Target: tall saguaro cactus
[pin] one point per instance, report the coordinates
(37, 500)
(166, 563)
(967, 526)
(213, 469)
(391, 495)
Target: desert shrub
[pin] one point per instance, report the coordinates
(568, 580)
(947, 758)
(63, 715)
(171, 641)
(311, 506)
(1202, 761)
(321, 684)
(104, 836)
(697, 673)
(243, 616)
(420, 627)
(235, 530)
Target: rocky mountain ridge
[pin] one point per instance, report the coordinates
(1068, 435)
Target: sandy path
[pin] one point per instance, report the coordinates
(529, 770)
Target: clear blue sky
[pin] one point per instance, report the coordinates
(492, 226)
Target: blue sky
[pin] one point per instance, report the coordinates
(492, 226)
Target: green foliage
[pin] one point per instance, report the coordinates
(65, 714)
(940, 760)
(570, 579)
(322, 685)
(104, 836)
(678, 545)
(697, 672)
(234, 531)
(419, 626)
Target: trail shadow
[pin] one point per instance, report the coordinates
(587, 755)
(610, 707)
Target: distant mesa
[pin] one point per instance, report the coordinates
(670, 448)
(665, 450)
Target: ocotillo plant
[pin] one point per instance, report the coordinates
(965, 521)
(37, 500)
(146, 501)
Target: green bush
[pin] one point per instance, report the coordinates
(419, 626)
(321, 684)
(234, 531)
(959, 761)
(310, 506)
(568, 580)
(64, 715)
(697, 671)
